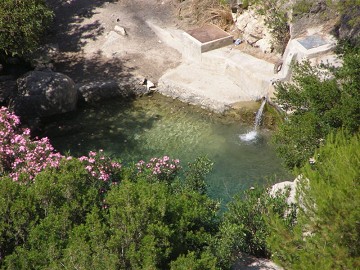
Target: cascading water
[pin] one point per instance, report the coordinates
(251, 135)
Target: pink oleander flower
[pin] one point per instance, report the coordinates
(162, 168)
(20, 155)
(100, 166)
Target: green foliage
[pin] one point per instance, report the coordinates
(320, 101)
(22, 23)
(302, 7)
(190, 261)
(67, 219)
(195, 176)
(327, 232)
(18, 213)
(245, 228)
(276, 20)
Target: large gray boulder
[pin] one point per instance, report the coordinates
(43, 93)
(93, 92)
(101, 90)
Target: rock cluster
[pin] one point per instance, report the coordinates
(254, 31)
(96, 91)
(43, 92)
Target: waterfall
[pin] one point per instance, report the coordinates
(251, 135)
(259, 114)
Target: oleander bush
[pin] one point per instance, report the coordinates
(92, 212)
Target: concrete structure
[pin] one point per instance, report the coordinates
(217, 79)
(310, 47)
(204, 39)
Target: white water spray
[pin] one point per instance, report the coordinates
(251, 135)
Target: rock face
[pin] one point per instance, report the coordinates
(121, 30)
(287, 186)
(254, 30)
(44, 94)
(96, 91)
(349, 28)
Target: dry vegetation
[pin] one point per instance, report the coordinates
(206, 11)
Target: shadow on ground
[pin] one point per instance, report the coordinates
(66, 28)
(85, 69)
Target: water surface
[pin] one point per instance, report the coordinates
(157, 126)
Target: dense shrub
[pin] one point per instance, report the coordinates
(245, 228)
(22, 23)
(320, 101)
(327, 232)
(68, 217)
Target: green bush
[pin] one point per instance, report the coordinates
(22, 23)
(244, 227)
(68, 219)
(327, 232)
(320, 101)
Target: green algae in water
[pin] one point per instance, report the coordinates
(156, 126)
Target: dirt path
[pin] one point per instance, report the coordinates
(91, 48)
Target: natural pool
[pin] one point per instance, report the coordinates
(156, 126)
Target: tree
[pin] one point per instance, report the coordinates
(327, 232)
(22, 23)
(244, 227)
(319, 101)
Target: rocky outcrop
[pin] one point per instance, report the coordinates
(348, 27)
(101, 90)
(254, 31)
(283, 188)
(44, 94)
(292, 189)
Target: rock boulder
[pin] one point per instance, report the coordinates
(101, 90)
(43, 93)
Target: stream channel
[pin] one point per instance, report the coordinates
(157, 126)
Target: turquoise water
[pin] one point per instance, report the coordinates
(157, 126)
